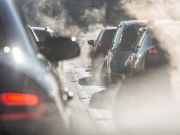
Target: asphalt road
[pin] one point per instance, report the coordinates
(90, 106)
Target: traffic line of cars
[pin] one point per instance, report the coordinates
(129, 49)
(139, 59)
(31, 94)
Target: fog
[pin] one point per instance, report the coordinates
(147, 104)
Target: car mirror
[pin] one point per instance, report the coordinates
(91, 42)
(59, 48)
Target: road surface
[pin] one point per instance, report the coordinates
(92, 116)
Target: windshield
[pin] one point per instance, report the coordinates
(130, 37)
(42, 34)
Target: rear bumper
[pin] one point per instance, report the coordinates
(49, 125)
(26, 127)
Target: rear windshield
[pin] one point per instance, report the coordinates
(42, 35)
(108, 35)
(130, 36)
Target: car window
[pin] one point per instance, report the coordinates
(42, 35)
(140, 40)
(99, 35)
(118, 36)
(129, 37)
(147, 42)
(108, 35)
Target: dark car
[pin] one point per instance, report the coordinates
(147, 54)
(40, 34)
(101, 46)
(124, 41)
(31, 99)
(145, 103)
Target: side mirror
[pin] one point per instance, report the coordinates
(91, 42)
(60, 48)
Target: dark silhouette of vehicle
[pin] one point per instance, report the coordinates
(101, 46)
(41, 34)
(144, 102)
(124, 41)
(31, 97)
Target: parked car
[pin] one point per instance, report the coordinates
(101, 46)
(128, 32)
(147, 54)
(31, 98)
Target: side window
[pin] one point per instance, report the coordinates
(147, 41)
(144, 42)
(118, 36)
(42, 35)
(140, 40)
(98, 38)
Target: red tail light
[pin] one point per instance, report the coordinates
(20, 100)
(16, 99)
(22, 116)
(152, 51)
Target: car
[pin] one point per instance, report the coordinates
(41, 34)
(101, 46)
(31, 97)
(147, 54)
(125, 38)
(144, 102)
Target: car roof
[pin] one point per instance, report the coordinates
(132, 22)
(110, 28)
(42, 29)
(149, 22)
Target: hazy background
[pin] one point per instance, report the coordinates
(150, 97)
(72, 14)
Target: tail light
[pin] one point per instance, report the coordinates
(153, 51)
(12, 101)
